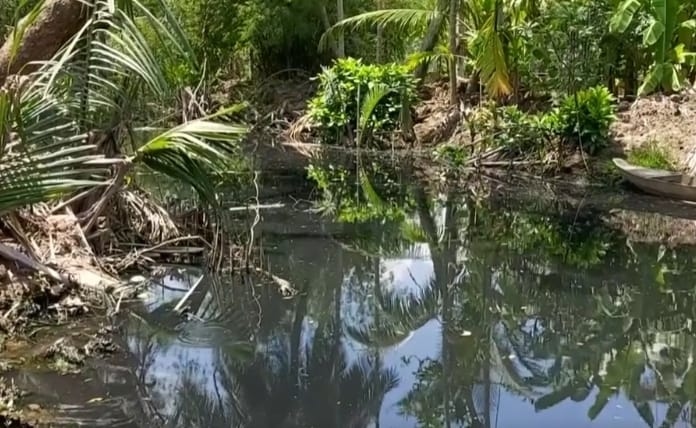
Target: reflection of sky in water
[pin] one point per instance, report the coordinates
(171, 362)
(403, 276)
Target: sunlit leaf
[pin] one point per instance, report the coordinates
(624, 15)
(399, 19)
(653, 33)
(652, 79)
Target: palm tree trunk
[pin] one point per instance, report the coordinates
(446, 313)
(340, 15)
(487, 284)
(43, 36)
(454, 34)
(377, 357)
(327, 25)
(426, 218)
(380, 35)
(336, 346)
(431, 37)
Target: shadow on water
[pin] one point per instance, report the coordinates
(418, 309)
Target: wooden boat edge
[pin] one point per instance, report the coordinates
(648, 180)
(629, 168)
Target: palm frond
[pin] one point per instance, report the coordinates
(42, 157)
(369, 191)
(108, 60)
(440, 53)
(413, 232)
(490, 59)
(192, 153)
(368, 105)
(169, 32)
(93, 82)
(401, 19)
(400, 315)
(5, 120)
(38, 175)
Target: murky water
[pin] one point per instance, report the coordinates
(441, 313)
(450, 316)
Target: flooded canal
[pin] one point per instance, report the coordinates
(445, 312)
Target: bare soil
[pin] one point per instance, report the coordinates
(669, 121)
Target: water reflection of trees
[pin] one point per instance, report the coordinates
(298, 373)
(540, 328)
(544, 303)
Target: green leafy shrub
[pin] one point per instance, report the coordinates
(581, 120)
(521, 132)
(343, 89)
(253, 36)
(586, 117)
(452, 154)
(566, 46)
(516, 130)
(651, 155)
(580, 241)
(258, 38)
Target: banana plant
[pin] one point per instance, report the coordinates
(668, 35)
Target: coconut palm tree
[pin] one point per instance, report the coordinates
(74, 123)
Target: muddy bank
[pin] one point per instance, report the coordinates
(282, 141)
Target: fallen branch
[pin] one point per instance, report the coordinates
(74, 199)
(11, 254)
(14, 226)
(256, 207)
(491, 153)
(188, 294)
(173, 241)
(510, 163)
(136, 255)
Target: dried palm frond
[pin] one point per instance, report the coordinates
(150, 221)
